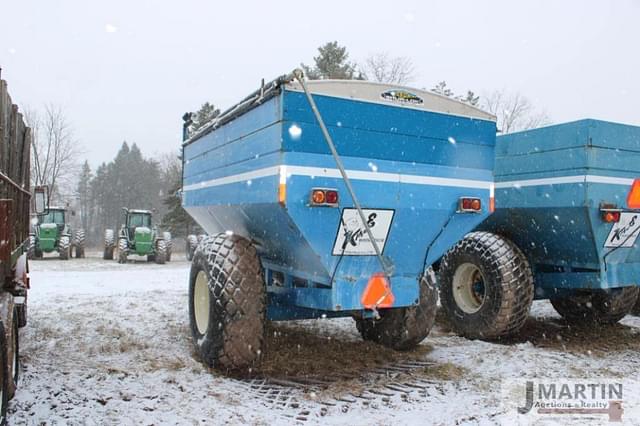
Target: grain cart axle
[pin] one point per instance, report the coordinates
(565, 228)
(329, 199)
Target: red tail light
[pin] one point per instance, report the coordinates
(469, 205)
(611, 216)
(324, 197)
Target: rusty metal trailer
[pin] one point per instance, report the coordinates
(15, 198)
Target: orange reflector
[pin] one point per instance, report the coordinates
(633, 199)
(378, 293)
(318, 197)
(282, 193)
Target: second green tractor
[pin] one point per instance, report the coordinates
(137, 236)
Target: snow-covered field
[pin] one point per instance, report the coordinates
(110, 344)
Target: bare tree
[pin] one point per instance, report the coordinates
(514, 111)
(383, 68)
(54, 151)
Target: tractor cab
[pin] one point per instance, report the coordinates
(136, 219)
(55, 215)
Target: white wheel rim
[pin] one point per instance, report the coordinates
(201, 297)
(469, 288)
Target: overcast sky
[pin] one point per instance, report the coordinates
(128, 70)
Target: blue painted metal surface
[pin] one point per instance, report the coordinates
(414, 163)
(550, 185)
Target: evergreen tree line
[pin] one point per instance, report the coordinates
(129, 180)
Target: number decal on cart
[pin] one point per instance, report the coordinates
(352, 238)
(625, 232)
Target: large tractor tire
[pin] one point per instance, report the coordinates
(161, 252)
(486, 287)
(64, 247)
(31, 249)
(596, 306)
(404, 328)
(21, 309)
(79, 243)
(192, 244)
(4, 376)
(123, 248)
(168, 243)
(109, 244)
(227, 302)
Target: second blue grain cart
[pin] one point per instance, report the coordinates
(565, 228)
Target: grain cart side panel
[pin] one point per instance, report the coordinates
(408, 164)
(551, 186)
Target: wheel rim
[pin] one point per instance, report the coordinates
(469, 288)
(201, 297)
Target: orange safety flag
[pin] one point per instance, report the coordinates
(633, 199)
(378, 293)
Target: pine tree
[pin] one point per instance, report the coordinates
(176, 219)
(442, 89)
(470, 98)
(206, 113)
(332, 62)
(84, 195)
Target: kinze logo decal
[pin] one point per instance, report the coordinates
(402, 96)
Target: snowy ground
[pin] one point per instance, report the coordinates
(109, 344)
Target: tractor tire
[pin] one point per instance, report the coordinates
(169, 243)
(227, 303)
(404, 328)
(123, 247)
(64, 247)
(21, 319)
(79, 242)
(161, 252)
(486, 287)
(4, 376)
(31, 249)
(109, 244)
(192, 244)
(597, 306)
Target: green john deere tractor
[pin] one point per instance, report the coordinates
(52, 233)
(137, 236)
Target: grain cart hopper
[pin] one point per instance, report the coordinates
(568, 210)
(15, 146)
(52, 233)
(137, 236)
(330, 210)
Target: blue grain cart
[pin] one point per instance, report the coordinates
(308, 224)
(568, 209)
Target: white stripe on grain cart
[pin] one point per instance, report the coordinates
(335, 173)
(563, 180)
